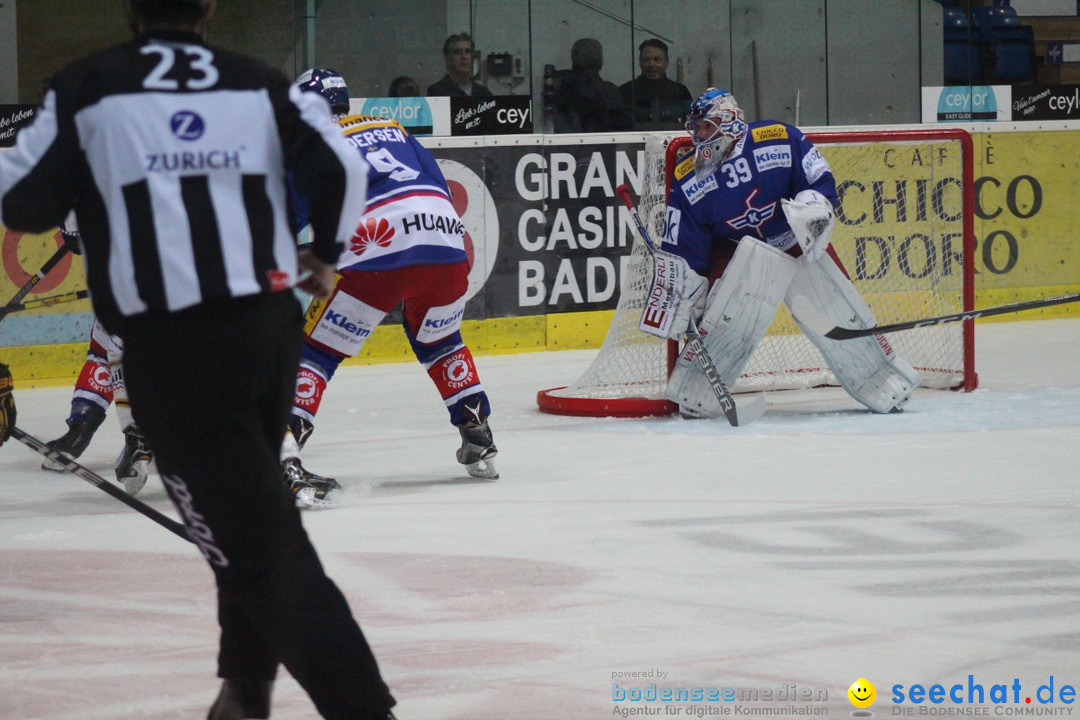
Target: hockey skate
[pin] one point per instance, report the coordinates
(84, 421)
(311, 491)
(133, 463)
(477, 451)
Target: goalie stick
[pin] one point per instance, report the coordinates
(37, 303)
(102, 484)
(736, 415)
(34, 280)
(804, 310)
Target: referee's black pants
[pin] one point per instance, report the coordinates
(211, 388)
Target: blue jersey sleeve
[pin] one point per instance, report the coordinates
(813, 171)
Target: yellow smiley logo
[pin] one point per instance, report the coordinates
(862, 693)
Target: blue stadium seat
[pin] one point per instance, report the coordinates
(1013, 50)
(962, 57)
(1009, 47)
(988, 19)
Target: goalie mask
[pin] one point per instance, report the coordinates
(330, 85)
(715, 124)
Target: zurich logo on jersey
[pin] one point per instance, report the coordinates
(187, 125)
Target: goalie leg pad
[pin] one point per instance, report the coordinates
(868, 368)
(740, 307)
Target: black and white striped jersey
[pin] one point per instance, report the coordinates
(174, 156)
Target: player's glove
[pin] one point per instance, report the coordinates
(810, 215)
(677, 293)
(7, 403)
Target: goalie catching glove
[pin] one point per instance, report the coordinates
(7, 403)
(810, 216)
(676, 292)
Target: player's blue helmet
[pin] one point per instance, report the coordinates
(330, 85)
(715, 124)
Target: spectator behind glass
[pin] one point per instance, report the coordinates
(582, 100)
(657, 102)
(458, 55)
(403, 86)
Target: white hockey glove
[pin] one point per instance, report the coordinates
(810, 216)
(677, 291)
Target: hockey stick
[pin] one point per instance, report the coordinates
(35, 279)
(37, 303)
(736, 416)
(808, 315)
(94, 479)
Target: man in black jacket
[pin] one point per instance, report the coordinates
(174, 156)
(658, 103)
(582, 100)
(458, 81)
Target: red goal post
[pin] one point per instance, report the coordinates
(904, 233)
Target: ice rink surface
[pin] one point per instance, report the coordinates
(820, 545)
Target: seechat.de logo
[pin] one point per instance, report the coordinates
(862, 694)
(187, 125)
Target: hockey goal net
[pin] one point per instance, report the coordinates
(904, 233)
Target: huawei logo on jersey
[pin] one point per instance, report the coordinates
(373, 231)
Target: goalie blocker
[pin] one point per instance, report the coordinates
(742, 304)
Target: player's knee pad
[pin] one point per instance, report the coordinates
(740, 307)
(428, 354)
(868, 368)
(342, 323)
(439, 328)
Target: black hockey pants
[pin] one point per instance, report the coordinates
(211, 388)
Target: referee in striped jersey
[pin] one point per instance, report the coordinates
(174, 155)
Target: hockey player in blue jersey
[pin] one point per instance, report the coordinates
(409, 250)
(748, 224)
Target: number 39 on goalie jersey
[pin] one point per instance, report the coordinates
(771, 162)
(410, 218)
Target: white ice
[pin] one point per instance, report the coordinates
(820, 545)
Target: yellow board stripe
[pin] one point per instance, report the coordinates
(52, 365)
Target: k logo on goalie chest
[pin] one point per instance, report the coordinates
(671, 226)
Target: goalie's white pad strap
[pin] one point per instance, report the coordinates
(868, 368)
(739, 309)
(676, 291)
